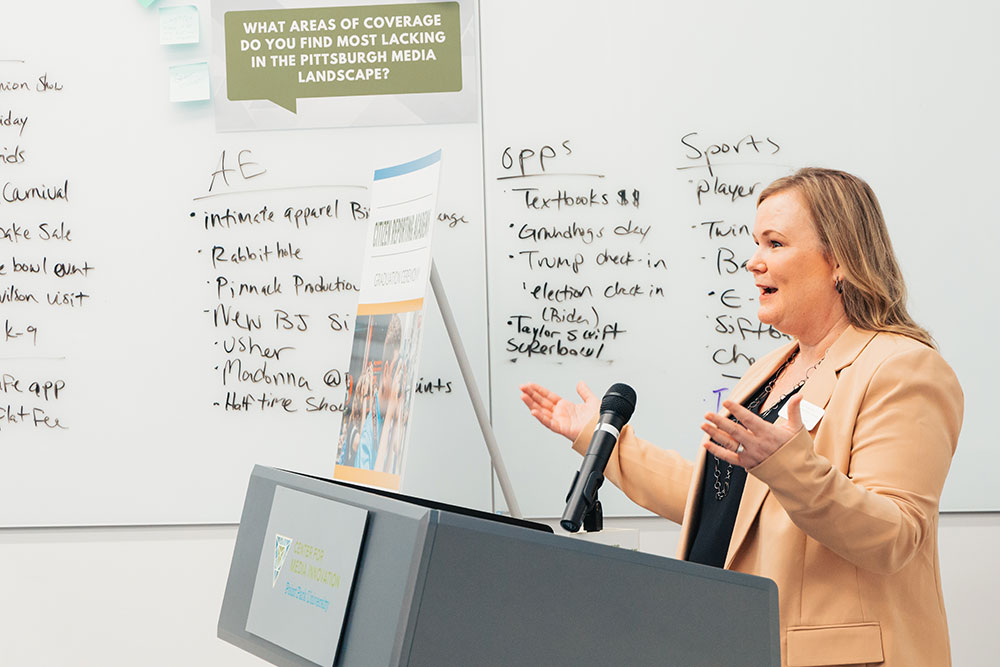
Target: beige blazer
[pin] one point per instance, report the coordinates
(844, 517)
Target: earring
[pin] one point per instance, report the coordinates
(839, 286)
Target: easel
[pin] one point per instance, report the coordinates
(477, 401)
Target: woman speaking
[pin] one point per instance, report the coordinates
(824, 469)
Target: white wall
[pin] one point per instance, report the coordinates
(120, 597)
(115, 596)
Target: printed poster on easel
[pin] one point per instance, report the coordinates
(386, 347)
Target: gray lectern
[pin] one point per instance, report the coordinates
(349, 576)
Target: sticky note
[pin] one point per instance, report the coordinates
(146, 3)
(189, 83)
(179, 25)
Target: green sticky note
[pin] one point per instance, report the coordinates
(190, 83)
(179, 25)
(146, 3)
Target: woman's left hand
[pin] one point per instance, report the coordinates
(754, 439)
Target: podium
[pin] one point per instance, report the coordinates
(434, 585)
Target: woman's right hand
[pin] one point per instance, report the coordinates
(556, 413)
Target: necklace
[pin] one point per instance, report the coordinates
(722, 482)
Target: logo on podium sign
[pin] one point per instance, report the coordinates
(281, 545)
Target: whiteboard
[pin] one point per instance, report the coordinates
(699, 106)
(627, 97)
(183, 320)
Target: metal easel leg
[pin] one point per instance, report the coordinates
(470, 385)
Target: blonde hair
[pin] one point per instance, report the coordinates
(852, 230)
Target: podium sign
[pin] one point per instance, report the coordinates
(305, 573)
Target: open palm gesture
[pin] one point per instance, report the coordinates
(558, 414)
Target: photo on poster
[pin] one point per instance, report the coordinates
(379, 397)
(378, 405)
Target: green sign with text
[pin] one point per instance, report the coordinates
(283, 55)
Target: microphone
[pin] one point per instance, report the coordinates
(617, 407)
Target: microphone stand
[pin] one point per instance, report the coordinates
(593, 520)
